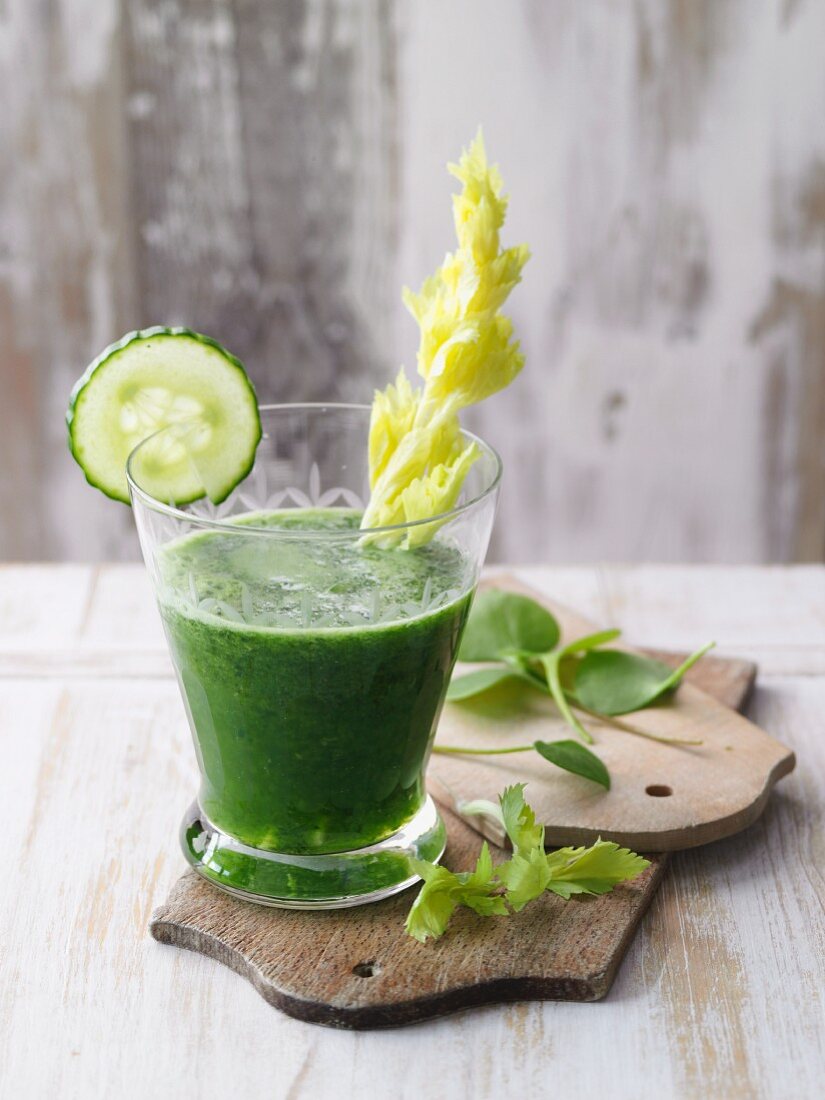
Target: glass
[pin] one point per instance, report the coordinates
(313, 661)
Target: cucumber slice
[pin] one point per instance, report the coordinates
(153, 379)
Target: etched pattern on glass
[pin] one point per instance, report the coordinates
(254, 495)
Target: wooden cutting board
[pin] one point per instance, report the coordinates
(662, 797)
(356, 968)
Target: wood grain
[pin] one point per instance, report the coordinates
(721, 993)
(273, 174)
(668, 351)
(358, 968)
(67, 277)
(265, 201)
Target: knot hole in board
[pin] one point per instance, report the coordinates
(368, 969)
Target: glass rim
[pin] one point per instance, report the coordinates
(231, 524)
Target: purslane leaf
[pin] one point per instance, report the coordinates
(512, 629)
(481, 680)
(574, 757)
(501, 622)
(614, 682)
(589, 642)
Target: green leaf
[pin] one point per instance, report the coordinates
(482, 679)
(525, 876)
(435, 904)
(501, 622)
(575, 758)
(594, 870)
(613, 682)
(477, 891)
(483, 807)
(589, 641)
(443, 891)
(519, 820)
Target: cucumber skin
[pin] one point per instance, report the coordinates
(115, 349)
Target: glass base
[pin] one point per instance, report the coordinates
(334, 880)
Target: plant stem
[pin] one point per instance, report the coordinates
(676, 676)
(609, 720)
(480, 752)
(550, 661)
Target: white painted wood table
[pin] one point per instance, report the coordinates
(722, 993)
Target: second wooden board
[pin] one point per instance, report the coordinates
(663, 797)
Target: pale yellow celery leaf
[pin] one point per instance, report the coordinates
(439, 306)
(477, 225)
(393, 414)
(408, 461)
(421, 303)
(438, 442)
(435, 493)
(446, 440)
(387, 513)
(454, 358)
(472, 281)
(496, 279)
(478, 361)
(447, 294)
(480, 209)
(439, 449)
(460, 281)
(466, 353)
(443, 305)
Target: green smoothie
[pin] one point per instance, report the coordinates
(313, 670)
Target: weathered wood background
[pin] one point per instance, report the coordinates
(271, 173)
